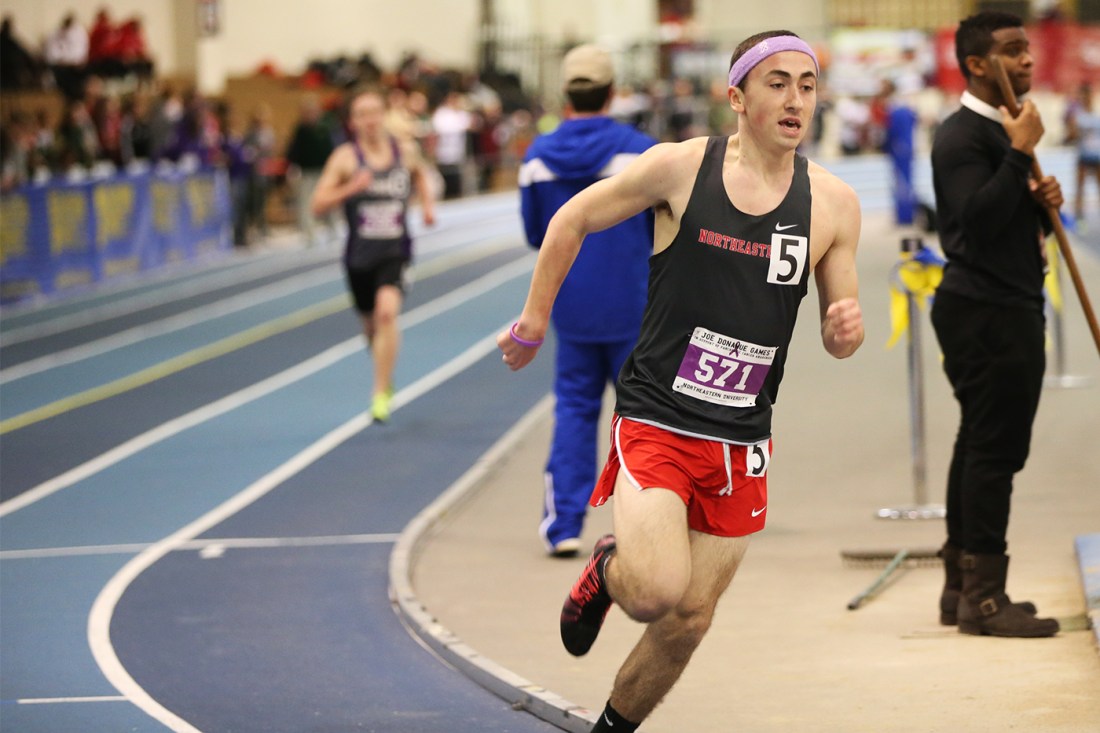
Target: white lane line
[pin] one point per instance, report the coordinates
(55, 700)
(99, 620)
(221, 309)
(260, 389)
(216, 277)
(220, 543)
(178, 322)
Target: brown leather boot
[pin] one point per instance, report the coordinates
(984, 607)
(953, 584)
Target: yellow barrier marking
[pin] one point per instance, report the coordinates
(178, 363)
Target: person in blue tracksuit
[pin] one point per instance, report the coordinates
(901, 125)
(598, 314)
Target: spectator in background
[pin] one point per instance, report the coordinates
(94, 92)
(66, 55)
(164, 119)
(721, 119)
(683, 112)
(77, 139)
(451, 124)
(877, 109)
(853, 115)
(131, 52)
(18, 68)
(18, 151)
(629, 107)
(310, 146)
(198, 137)
(107, 117)
(599, 309)
(489, 139)
(259, 139)
(45, 149)
(13, 171)
(898, 144)
(1084, 132)
(137, 129)
(418, 107)
(101, 46)
(239, 162)
(399, 120)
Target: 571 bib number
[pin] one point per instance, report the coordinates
(723, 370)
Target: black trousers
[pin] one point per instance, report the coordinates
(994, 357)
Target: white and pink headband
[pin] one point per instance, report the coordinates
(764, 49)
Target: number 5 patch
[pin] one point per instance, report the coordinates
(757, 458)
(788, 259)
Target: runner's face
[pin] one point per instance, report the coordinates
(367, 115)
(780, 94)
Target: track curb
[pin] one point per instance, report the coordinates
(519, 692)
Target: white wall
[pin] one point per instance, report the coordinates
(290, 32)
(611, 23)
(287, 32)
(729, 22)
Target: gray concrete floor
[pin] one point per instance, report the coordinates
(785, 653)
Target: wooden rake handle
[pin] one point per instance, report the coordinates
(1056, 220)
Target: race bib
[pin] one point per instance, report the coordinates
(723, 370)
(381, 220)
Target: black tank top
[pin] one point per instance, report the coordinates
(723, 298)
(377, 228)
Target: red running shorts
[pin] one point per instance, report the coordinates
(723, 486)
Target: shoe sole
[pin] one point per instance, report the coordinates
(973, 630)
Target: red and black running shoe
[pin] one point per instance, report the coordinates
(588, 602)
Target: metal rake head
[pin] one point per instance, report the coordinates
(921, 557)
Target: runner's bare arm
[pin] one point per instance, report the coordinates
(835, 274)
(339, 179)
(651, 180)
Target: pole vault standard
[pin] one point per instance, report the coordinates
(1057, 376)
(920, 509)
(1055, 219)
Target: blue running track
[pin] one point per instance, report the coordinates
(197, 515)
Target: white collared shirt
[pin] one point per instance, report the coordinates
(983, 108)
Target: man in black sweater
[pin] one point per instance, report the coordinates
(988, 317)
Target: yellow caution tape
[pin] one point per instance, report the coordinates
(910, 277)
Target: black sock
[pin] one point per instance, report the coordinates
(611, 722)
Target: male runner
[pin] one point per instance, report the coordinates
(372, 177)
(740, 223)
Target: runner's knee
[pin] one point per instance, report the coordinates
(687, 627)
(652, 594)
(386, 307)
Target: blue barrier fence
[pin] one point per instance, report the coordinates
(63, 235)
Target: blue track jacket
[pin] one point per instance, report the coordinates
(603, 296)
